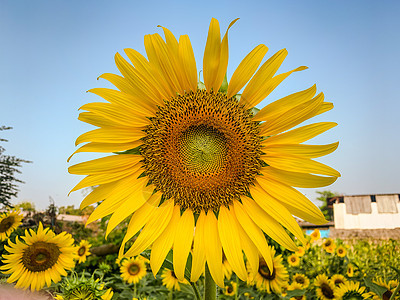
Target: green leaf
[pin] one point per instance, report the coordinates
(377, 289)
(224, 85)
(130, 151)
(295, 293)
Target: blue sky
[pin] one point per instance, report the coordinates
(51, 53)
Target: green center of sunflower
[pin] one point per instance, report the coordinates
(265, 272)
(40, 256)
(6, 224)
(82, 251)
(300, 280)
(133, 269)
(202, 149)
(327, 291)
(328, 243)
(229, 290)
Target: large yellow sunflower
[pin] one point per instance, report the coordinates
(133, 270)
(200, 158)
(82, 251)
(351, 290)
(264, 278)
(9, 221)
(42, 257)
(325, 288)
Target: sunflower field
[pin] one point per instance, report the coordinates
(321, 268)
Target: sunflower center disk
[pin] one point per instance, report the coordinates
(202, 149)
(6, 223)
(81, 251)
(133, 269)
(40, 256)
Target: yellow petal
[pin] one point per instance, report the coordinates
(111, 135)
(140, 218)
(254, 232)
(119, 82)
(92, 180)
(302, 180)
(246, 69)
(213, 249)
(307, 151)
(230, 240)
(256, 88)
(133, 202)
(163, 244)
(198, 257)
(276, 210)
(284, 104)
(300, 134)
(292, 198)
(299, 164)
(182, 243)
(96, 120)
(187, 60)
(106, 147)
(292, 117)
(267, 223)
(152, 230)
(326, 106)
(106, 164)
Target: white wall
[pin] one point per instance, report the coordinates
(365, 221)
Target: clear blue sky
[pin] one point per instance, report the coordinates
(51, 53)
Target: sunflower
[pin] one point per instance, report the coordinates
(301, 279)
(329, 245)
(315, 235)
(188, 155)
(350, 270)
(132, 270)
(325, 288)
(338, 279)
(341, 251)
(300, 251)
(170, 280)
(42, 257)
(231, 289)
(390, 288)
(82, 251)
(264, 278)
(293, 260)
(9, 221)
(351, 290)
(296, 286)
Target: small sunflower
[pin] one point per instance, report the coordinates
(350, 270)
(293, 260)
(264, 278)
(170, 280)
(325, 288)
(329, 245)
(133, 270)
(231, 289)
(201, 160)
(300, 251)
(301, 279)
(315, 235)
(82, 251)
(9, 221)
(390, 286)
(108, 295)
(338, 279)
(351, 290)
(42, 257)
(341, 251)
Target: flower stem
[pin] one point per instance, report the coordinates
(196, 290)
(210, 288)
(395, 292)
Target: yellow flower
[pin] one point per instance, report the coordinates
(264, 278)
(350, 270)
(296, 286)
(325, 288)
(351, 290)
(329, 245)
(9, 221)
(58, 297)
(107, 295)
(197, 152)
(300, 251)
(293, 260)
(226, 267)
(82, 251)
(315, 235)
(230, 289)
(338, 279)
(341, 251)
(302, 280)
(133, 270)
(42, 257)
(170, 280)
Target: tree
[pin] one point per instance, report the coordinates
(324, 196)
(9, 166)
